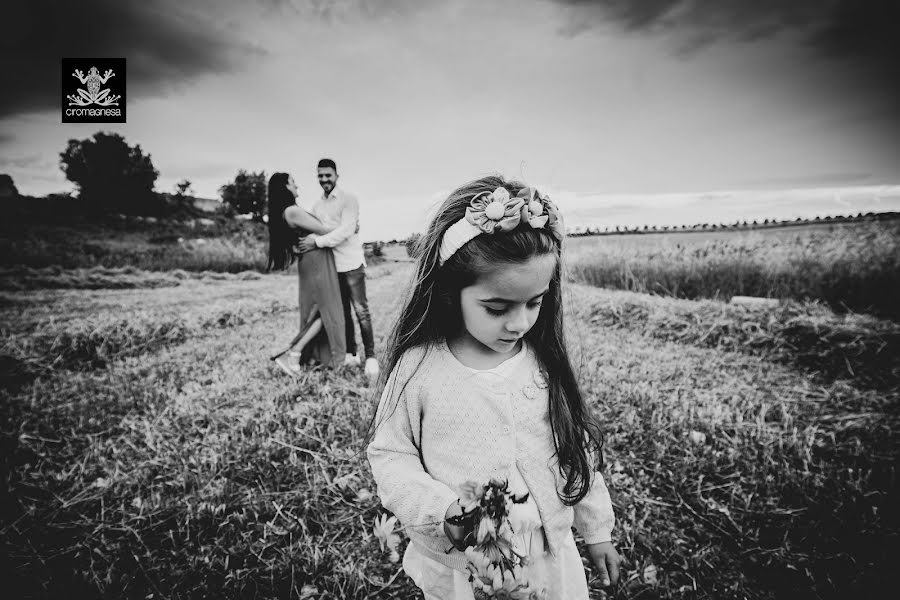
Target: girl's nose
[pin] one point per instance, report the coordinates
(518, 321)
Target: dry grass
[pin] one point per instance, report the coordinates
(191, 468)
(853, 266)
(21, 278)
(807, 335)
(229, 246)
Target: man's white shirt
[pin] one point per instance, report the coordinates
(341, 211)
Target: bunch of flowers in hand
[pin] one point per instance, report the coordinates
(495, 562)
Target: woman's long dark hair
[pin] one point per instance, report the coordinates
(281, 237)
(431, 313)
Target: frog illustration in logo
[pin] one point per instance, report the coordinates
(93, 95)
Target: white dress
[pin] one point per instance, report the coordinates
(562, 576)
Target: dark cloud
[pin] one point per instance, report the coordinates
(864, 28)
(865, 33)
(164, 43)
(709, 17)
(342, 11)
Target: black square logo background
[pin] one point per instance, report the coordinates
(85, 108)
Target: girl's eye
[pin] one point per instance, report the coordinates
(502, 311)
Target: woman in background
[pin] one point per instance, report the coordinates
(321, 336)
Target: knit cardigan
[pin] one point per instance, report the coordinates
(440, 424)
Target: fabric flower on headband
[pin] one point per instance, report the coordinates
(533, 210)
(538, 211)
(490, 211)
(555, 223)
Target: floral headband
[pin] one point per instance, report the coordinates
(490, 212)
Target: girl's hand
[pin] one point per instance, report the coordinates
(607, 560)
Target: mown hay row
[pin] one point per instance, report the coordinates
(23, 278)
(807, 335)
(96, 342)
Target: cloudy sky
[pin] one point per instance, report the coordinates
(626, 111)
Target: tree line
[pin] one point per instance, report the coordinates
(112, 176)
(737, 225)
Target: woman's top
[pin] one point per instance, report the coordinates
(440, 424)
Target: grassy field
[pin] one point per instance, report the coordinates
(853, 266)
(90, 254)
(228, 245)
(150, 450)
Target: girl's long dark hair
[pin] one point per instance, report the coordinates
(431, 313)
(281, 237)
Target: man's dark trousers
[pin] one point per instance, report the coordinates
(353, 291)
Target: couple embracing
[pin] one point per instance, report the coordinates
(331, 267)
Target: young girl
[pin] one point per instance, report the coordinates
(480, 386)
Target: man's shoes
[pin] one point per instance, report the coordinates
(351, 360)
(372, 369)
(285, 364)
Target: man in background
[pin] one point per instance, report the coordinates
(340, 209)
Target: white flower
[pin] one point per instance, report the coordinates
(387, 539)
(486, 530)
(697, 437)
(470, 494)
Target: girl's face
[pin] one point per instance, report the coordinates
(503, 305)
(291, 186)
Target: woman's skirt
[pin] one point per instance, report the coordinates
(319, 289)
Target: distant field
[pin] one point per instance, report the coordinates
(853, 266)
(850, 266)
(227, 246)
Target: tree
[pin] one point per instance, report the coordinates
(7, 187)
(246, 194)
(111, 175)
(183, 187)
